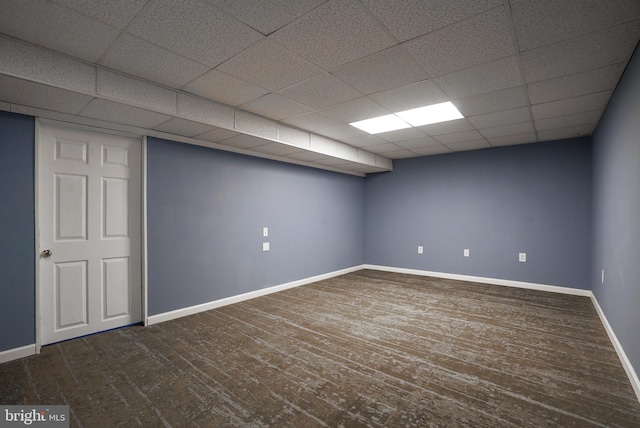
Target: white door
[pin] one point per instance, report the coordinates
(89, 232)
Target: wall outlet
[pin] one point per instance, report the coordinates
(466, 252)
(522, 257)
(602, 276)
(265, 246)
(265, 231)
(420, 249)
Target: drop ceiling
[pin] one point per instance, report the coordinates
(283, 78)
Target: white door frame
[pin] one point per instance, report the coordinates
(143, 218)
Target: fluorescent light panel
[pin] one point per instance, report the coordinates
(415, 117)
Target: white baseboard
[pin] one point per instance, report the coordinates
(16, 353)
(191, 310)
(631, 373)
(483, 280)
(626, 364)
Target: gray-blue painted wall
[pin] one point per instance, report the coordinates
(616, 211)
(17, 236)
(206, 211)
(497, 203)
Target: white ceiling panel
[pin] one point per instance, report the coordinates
(390, 68)
(277, 149)
(464, 146)
(117, 13)
(342, 132)
(606, 47)
(205, 111)
(320, 91)
(221, 87)
(477, 40)
(568, 121)
(112, 111)
(449, 127)
(459, 137)
(432, 150)
(243, 141)
(363, 140)
(275, 107)
(402, 135)
(269, 65)
(401, 154)
(184, 127)
(335, 33)
(294, 136)
(573, 85)
(267, 17)
(407, 19)
(505, 117)
(312, 121)
(417, 143)
(354, 110)
(567, 106)
(135, 92)
(562, 133)
(37, 95)
(543, 22)
(217, 135)
(56, 27)
(196, 30)
(138, 57)
(411, 96)
(511, 140)
(500, 74)
(504, 99)
(514, 129)
(254, 124)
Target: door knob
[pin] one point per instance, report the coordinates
(46, 254)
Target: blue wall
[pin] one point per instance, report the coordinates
(616, 211)
(497, 202)
(17, 236)
(206, 211)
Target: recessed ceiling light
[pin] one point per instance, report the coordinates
(415, 117)
(376, 125)
(430, 114)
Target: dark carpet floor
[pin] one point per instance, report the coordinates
(368, 349)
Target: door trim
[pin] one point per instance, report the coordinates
(143, 215)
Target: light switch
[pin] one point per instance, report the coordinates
(265, 231)
(420, 249)
(466, 252)
(522, 257)
(265, 246)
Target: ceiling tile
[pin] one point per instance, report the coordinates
(417, 143)
(143, 59)
(362, 140)
(469, 145)
(196, 30)
(459, 137)
(183, 127)
(275, 107)
(573, 85)
(514, 129)
(56, 27)
(342, 131)
(401, 154)
(205, 111)
(267, 17)
(449, 127)
(224, 88)
(293, 136)
(384, 148)
(335, 33)
(564, 133)
(269, 65)
(135, 92)
(610, 46)
(312, 121)
(320, 91)
(217, 135)
(477, 40)
(568, 121)
(36, 95)
(112, 111)
(584, 103)
(118, 13)
(401, 135)
(432, 150)
(243, 141)
(277, 149)
(499, 74)
(390, 68)
(510, 140)
(255, 125)
(503, 99)
(505, 117)
(354, 110)
(543, 22)
(407, 19)
(411, 96)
